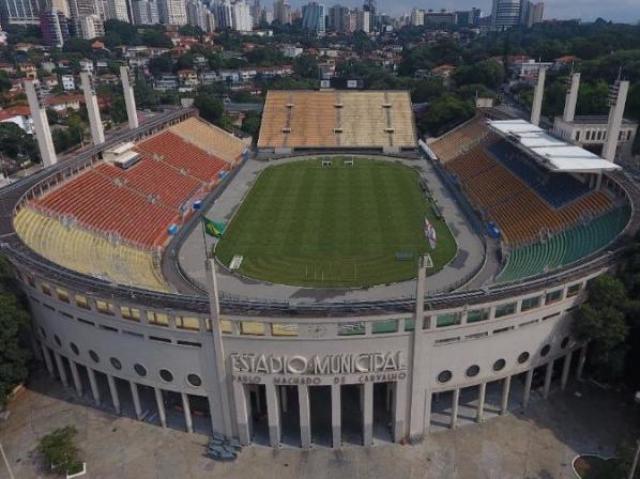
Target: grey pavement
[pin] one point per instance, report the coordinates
(469, 256)
(539, 444)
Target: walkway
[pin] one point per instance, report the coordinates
(468, 260)
(538, 445)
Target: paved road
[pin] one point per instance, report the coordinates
(469, 257)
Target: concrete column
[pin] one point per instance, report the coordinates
(305, 416)
(566, 366)
(273, 415)
(538, 95)
(284, 401)
(41, 125)
(454, 407)
(506, 387)
(572, 98)
(160, 404)
(242, 413)
(95, 391)
(113, 390)
(336, 413)
(548, 373)
(61, 370)
(136, 400)
(581, 360)
(418, 384)
(482, 391)
(47, 360)
(427, 412)
(527, 388)
(187, 412)
(615, 122)
(367, 410)
(93, 111)
(129, 98)
(399, 408)
(76, 377)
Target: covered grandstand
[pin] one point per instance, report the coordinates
(375, 120)
(111, 220)
(550, 212)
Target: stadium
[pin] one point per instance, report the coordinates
(349, 285)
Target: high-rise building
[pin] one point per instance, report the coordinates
(198, 15)
(256, 12)
(417, 17)
(314, 18)
(117, 10)
(78, 9)
(505, 14)
(468, 18)
(363, 20)
(338, 19)
(172, 12)
(145, 12)
(54, 28)
(531, 13)
(59, 6)
(224, 14)
(241, 17)
(20, 12)
(281, 12)
(90, 27)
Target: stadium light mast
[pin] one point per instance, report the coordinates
(129, 98)
(40, 123)
(538, 95)
(91, 100)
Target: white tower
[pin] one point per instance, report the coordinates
(617, 100)
(129, 99)
(572, 99)
(538, 94)
(91, 100)
(41, 124)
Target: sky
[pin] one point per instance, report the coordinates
(627, 11)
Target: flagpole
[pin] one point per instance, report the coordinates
(204, 237)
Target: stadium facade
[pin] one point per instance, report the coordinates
(325, 372)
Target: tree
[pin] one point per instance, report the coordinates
(14, 326)
(251, 123)
(444, 113)
(60, 452)
(602, 320)
(489, 73)
(306, 66)
(210, 108)
(126, 33)
(161, 64)
(17, 144)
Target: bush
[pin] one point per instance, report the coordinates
(60, 452)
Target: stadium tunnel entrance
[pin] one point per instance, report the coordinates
(259, 427)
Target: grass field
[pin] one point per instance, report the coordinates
(339, 226)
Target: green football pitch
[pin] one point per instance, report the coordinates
(338, 226)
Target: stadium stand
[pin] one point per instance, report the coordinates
(88, 253)
(328, 119)
(459, 140)
(211, 139)
(98, 203)
(564, 248)
(157, 179)
(557, 189)
(184, 156)
(523, 209)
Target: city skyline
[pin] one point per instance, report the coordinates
(624, 11)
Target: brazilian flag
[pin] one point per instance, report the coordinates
(213, 228)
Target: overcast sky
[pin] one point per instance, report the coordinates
(617, 10)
